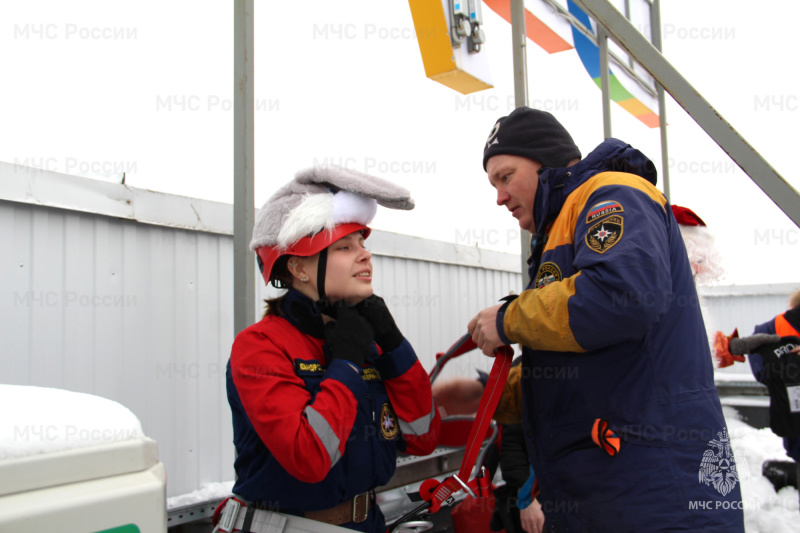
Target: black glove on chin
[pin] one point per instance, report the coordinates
(375, 311)
(350, 337)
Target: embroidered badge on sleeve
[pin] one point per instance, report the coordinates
(548, 273)
(605, 234)
(602, 209)
(389, 427)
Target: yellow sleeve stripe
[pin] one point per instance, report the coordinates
(539, 318)
(564, 227)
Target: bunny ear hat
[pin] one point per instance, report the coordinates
(319, 206)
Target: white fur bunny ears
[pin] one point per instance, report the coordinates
(320, 198)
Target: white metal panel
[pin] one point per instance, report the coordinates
(432, 303)
(15, 243)
(54, 189)
(141, 313)
(133, 312)
(726, 308)
(744, 307)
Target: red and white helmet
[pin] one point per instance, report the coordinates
(318, 207)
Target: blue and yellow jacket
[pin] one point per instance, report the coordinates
(612, 330)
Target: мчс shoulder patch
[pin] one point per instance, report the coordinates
(547, 274)
(389, 427)
(605, 234)
(602, 209)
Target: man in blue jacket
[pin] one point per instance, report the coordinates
(623, 424)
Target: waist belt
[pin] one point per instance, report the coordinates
(234, 514)
(354, 510)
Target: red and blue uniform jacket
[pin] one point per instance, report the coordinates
(612, 330)
(311, 433)
(786, 325)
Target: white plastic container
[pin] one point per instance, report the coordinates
(99, 488)
(62, 469)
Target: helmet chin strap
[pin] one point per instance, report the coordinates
(323, 302)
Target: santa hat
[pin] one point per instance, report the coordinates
(686, 217)
(703, 254)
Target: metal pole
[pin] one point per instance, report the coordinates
(518, 44)
(631, 63)
(244, 299)
(655, 37)
(605, 86)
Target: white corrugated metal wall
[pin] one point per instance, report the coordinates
(94, 300)
(142, 313)
(136, 313)
(745, 306)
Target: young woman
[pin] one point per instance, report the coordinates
(325, 388)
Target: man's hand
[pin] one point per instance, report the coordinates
(483, 329)
(532, 518)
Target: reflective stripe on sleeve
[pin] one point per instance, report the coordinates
(325, 433)
(421, 425)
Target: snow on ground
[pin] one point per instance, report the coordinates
(765, 511)
(208, 492)
(37, 420)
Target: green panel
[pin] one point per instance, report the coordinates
(617, 92)
(130, 528)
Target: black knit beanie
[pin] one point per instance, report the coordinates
(533, 134)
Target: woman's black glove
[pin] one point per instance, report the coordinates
(375, 311)
(350, 337)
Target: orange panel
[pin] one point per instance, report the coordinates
(536, 30)
(650, 120)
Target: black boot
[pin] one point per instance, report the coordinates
(780, 473)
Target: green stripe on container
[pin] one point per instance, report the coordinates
(130, 528)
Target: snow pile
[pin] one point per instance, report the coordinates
(38, 420)
(208, 493)
(765, 511)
